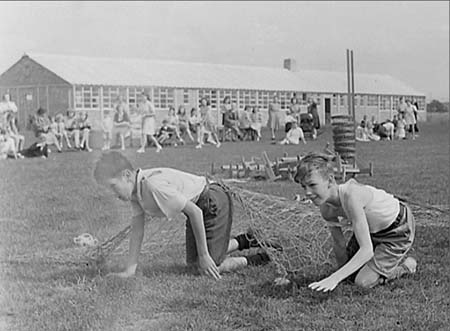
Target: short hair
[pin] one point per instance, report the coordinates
(41, 111)
(109, 166)
(314, 161)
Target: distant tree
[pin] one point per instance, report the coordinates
(436, 106)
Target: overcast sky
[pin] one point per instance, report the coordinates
(407, 40)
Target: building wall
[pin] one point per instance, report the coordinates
(31, 86)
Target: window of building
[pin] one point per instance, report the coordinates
(372, 100)
(385, 102)
(135, 96)
(163, 97)
(87, 97)
(263, 99)
(211, 95)
(186, 96)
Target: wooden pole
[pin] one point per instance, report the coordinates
(348, 83)
(353, 86)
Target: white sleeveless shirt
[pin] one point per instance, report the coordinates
(381, 210)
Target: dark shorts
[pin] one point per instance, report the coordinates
(390, 245)
(217, 207)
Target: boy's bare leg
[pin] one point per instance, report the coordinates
(368, 278)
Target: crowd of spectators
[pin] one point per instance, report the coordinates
(403, 125)
(180, 126)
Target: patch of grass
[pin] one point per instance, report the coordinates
(45, 203)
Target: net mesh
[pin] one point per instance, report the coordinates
(295, 225)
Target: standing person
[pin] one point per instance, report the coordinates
(274, 116)
(169, 192)
(400, 132)
(312, 109)
(207, 124)
(6, 106)
(148, 125)
(401, 109)
(410, 119)
(294, 108)
(383, 227)
(416, 110)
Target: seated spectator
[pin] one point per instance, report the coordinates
(194, 120)
(85, 129)
(13, 132)
(371, 129)
(294, 135)
(244, 122)
(73, 127)
(7, 146)
(230, 120)
(288, 120)
(121, 125)
(361, 132)
(165, 133)
(43, 131)
(173, 122)
(36, 150)
(386, 130)
(107, 129)
(183, 123)
(61, 132)
(256, 123)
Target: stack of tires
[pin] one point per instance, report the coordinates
(344, 137)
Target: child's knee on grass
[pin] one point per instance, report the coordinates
(367, 278)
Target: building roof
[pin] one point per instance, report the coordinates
(143, 72)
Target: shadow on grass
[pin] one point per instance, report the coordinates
(299, 291)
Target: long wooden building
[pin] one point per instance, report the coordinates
(58, 82)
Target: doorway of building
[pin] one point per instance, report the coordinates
(327, 110)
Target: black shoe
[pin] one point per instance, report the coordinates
(258, 259)
(248, 240)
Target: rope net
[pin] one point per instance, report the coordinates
(294, 225)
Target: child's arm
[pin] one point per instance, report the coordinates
(355, 204)
(136, 237)
(339, 246)
(205, 262)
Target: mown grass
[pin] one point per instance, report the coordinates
(45, 203)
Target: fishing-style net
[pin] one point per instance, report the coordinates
(302, 243)
(294, 225)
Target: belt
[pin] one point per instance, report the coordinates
(396, 223)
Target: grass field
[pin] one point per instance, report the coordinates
(46, 203)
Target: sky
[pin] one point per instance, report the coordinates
(408, 40)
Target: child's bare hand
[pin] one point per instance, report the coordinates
(207, 265)
(326, 285)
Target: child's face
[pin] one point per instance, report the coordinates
(316, 187)
(123, 187)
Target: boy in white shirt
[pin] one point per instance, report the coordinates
(169, 192)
